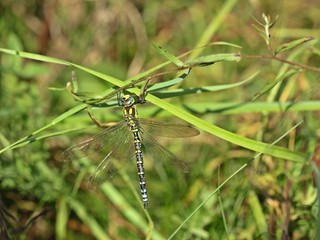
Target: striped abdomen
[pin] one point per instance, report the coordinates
(140, 166)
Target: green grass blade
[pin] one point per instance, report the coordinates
(168, 55)
(53, 134)
(43, 58)
(169, 83)
(32, 137)
(210, 59)
(229, 108)
(185, 91)
(251, 107)
(86, 218)
(270, 85)
(253, 145)
(214, 25)
(257, 212)
(34, 56)
(68, 113)
(129, 212)
(221, 207)
(287, 46)
(62, 218)
(225, 44)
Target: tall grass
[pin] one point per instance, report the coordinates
(252, 169)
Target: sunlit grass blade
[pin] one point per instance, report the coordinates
(230, 108)
(253, 145)
(34, 56)
(252, 107)
(43, 58)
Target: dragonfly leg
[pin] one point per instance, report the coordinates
(144, 92)
(119, 99)
(96, 121)
(72, 87)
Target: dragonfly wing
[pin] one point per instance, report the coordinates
(100, 142)
(167, 129)
(117, 158)
(159, 153)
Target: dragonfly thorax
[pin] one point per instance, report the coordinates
(130, 113)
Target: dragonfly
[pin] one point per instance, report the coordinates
(126, 141)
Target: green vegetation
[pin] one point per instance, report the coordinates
(252, 92)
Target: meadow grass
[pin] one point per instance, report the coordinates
(253, 170)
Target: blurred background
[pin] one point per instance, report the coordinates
(42, 198)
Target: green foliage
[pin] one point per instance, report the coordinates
(250, 100)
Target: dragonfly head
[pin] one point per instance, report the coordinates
(127, 100)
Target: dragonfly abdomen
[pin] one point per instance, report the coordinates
(140, 167)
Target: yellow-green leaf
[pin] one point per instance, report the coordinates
(287, 46)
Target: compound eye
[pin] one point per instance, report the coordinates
(127, 100)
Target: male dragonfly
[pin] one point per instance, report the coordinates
(123, 142)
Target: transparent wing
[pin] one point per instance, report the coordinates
(115, 142)
(117, 158)
(167, 130)
(104, 141)
(161, 154)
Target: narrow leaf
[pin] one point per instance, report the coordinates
(62, 218)
(269, 86)
(257, 146)
(287, 46)
(168, 55)
(197, 90)
(35, 56)
(257, 212)
(169, 83)
(210, 59)
(67, 114)
(225, 44)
